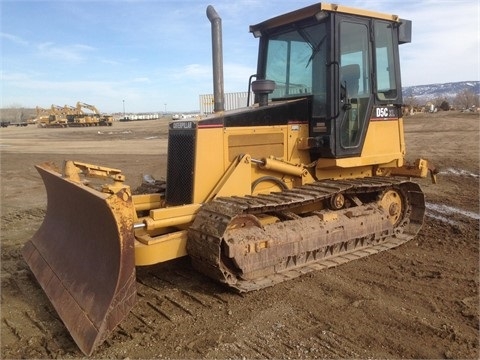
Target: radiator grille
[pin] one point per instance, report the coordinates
(181, 157)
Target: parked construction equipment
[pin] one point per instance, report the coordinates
(70, 116)
(312, 175)
(92, 117)
(43, 118)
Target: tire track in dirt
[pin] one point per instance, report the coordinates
(176, 305)
(33, 329)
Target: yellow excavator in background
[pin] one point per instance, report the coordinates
(92, 117)
(53, 117)
(42, 116)
(309, 176)
(58, 116)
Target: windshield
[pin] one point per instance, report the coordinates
(292, 57)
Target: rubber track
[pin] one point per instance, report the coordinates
(206, 233)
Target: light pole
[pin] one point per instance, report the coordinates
(123, 109)
(165, 107)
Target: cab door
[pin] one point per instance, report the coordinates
(355, 95)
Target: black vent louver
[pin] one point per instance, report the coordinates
(181, 157)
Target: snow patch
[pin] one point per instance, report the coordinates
(441, 212)
(114, 132)
(458, 172)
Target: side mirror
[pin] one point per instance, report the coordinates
(405, 31)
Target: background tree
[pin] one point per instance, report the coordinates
(444, 105)
(466, 99)
(16, 113)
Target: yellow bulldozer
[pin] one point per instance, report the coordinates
(311, 175)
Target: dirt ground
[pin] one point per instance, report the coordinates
(420, 300)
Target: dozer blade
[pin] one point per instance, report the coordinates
(83, 257)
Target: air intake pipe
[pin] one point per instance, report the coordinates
(261, 88)
(217, 59)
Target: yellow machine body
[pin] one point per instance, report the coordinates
(230, 160)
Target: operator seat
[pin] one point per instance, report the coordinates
(350, 128)
(351, 75)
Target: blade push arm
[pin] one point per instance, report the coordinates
(73, 169)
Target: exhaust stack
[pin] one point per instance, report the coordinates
(217, 59)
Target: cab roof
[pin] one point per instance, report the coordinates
(316, 10)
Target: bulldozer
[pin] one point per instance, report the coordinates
(311, 175)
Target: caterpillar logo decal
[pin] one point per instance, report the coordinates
(384, 113)
(182, 125)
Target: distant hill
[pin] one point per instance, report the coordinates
(440, 91)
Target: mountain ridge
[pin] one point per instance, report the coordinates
(440, 90)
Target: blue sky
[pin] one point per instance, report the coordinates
(153, 55)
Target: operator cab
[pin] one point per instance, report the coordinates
(345, 61)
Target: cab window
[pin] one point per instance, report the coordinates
(297, 61)
(386, 86)
(354, 81)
